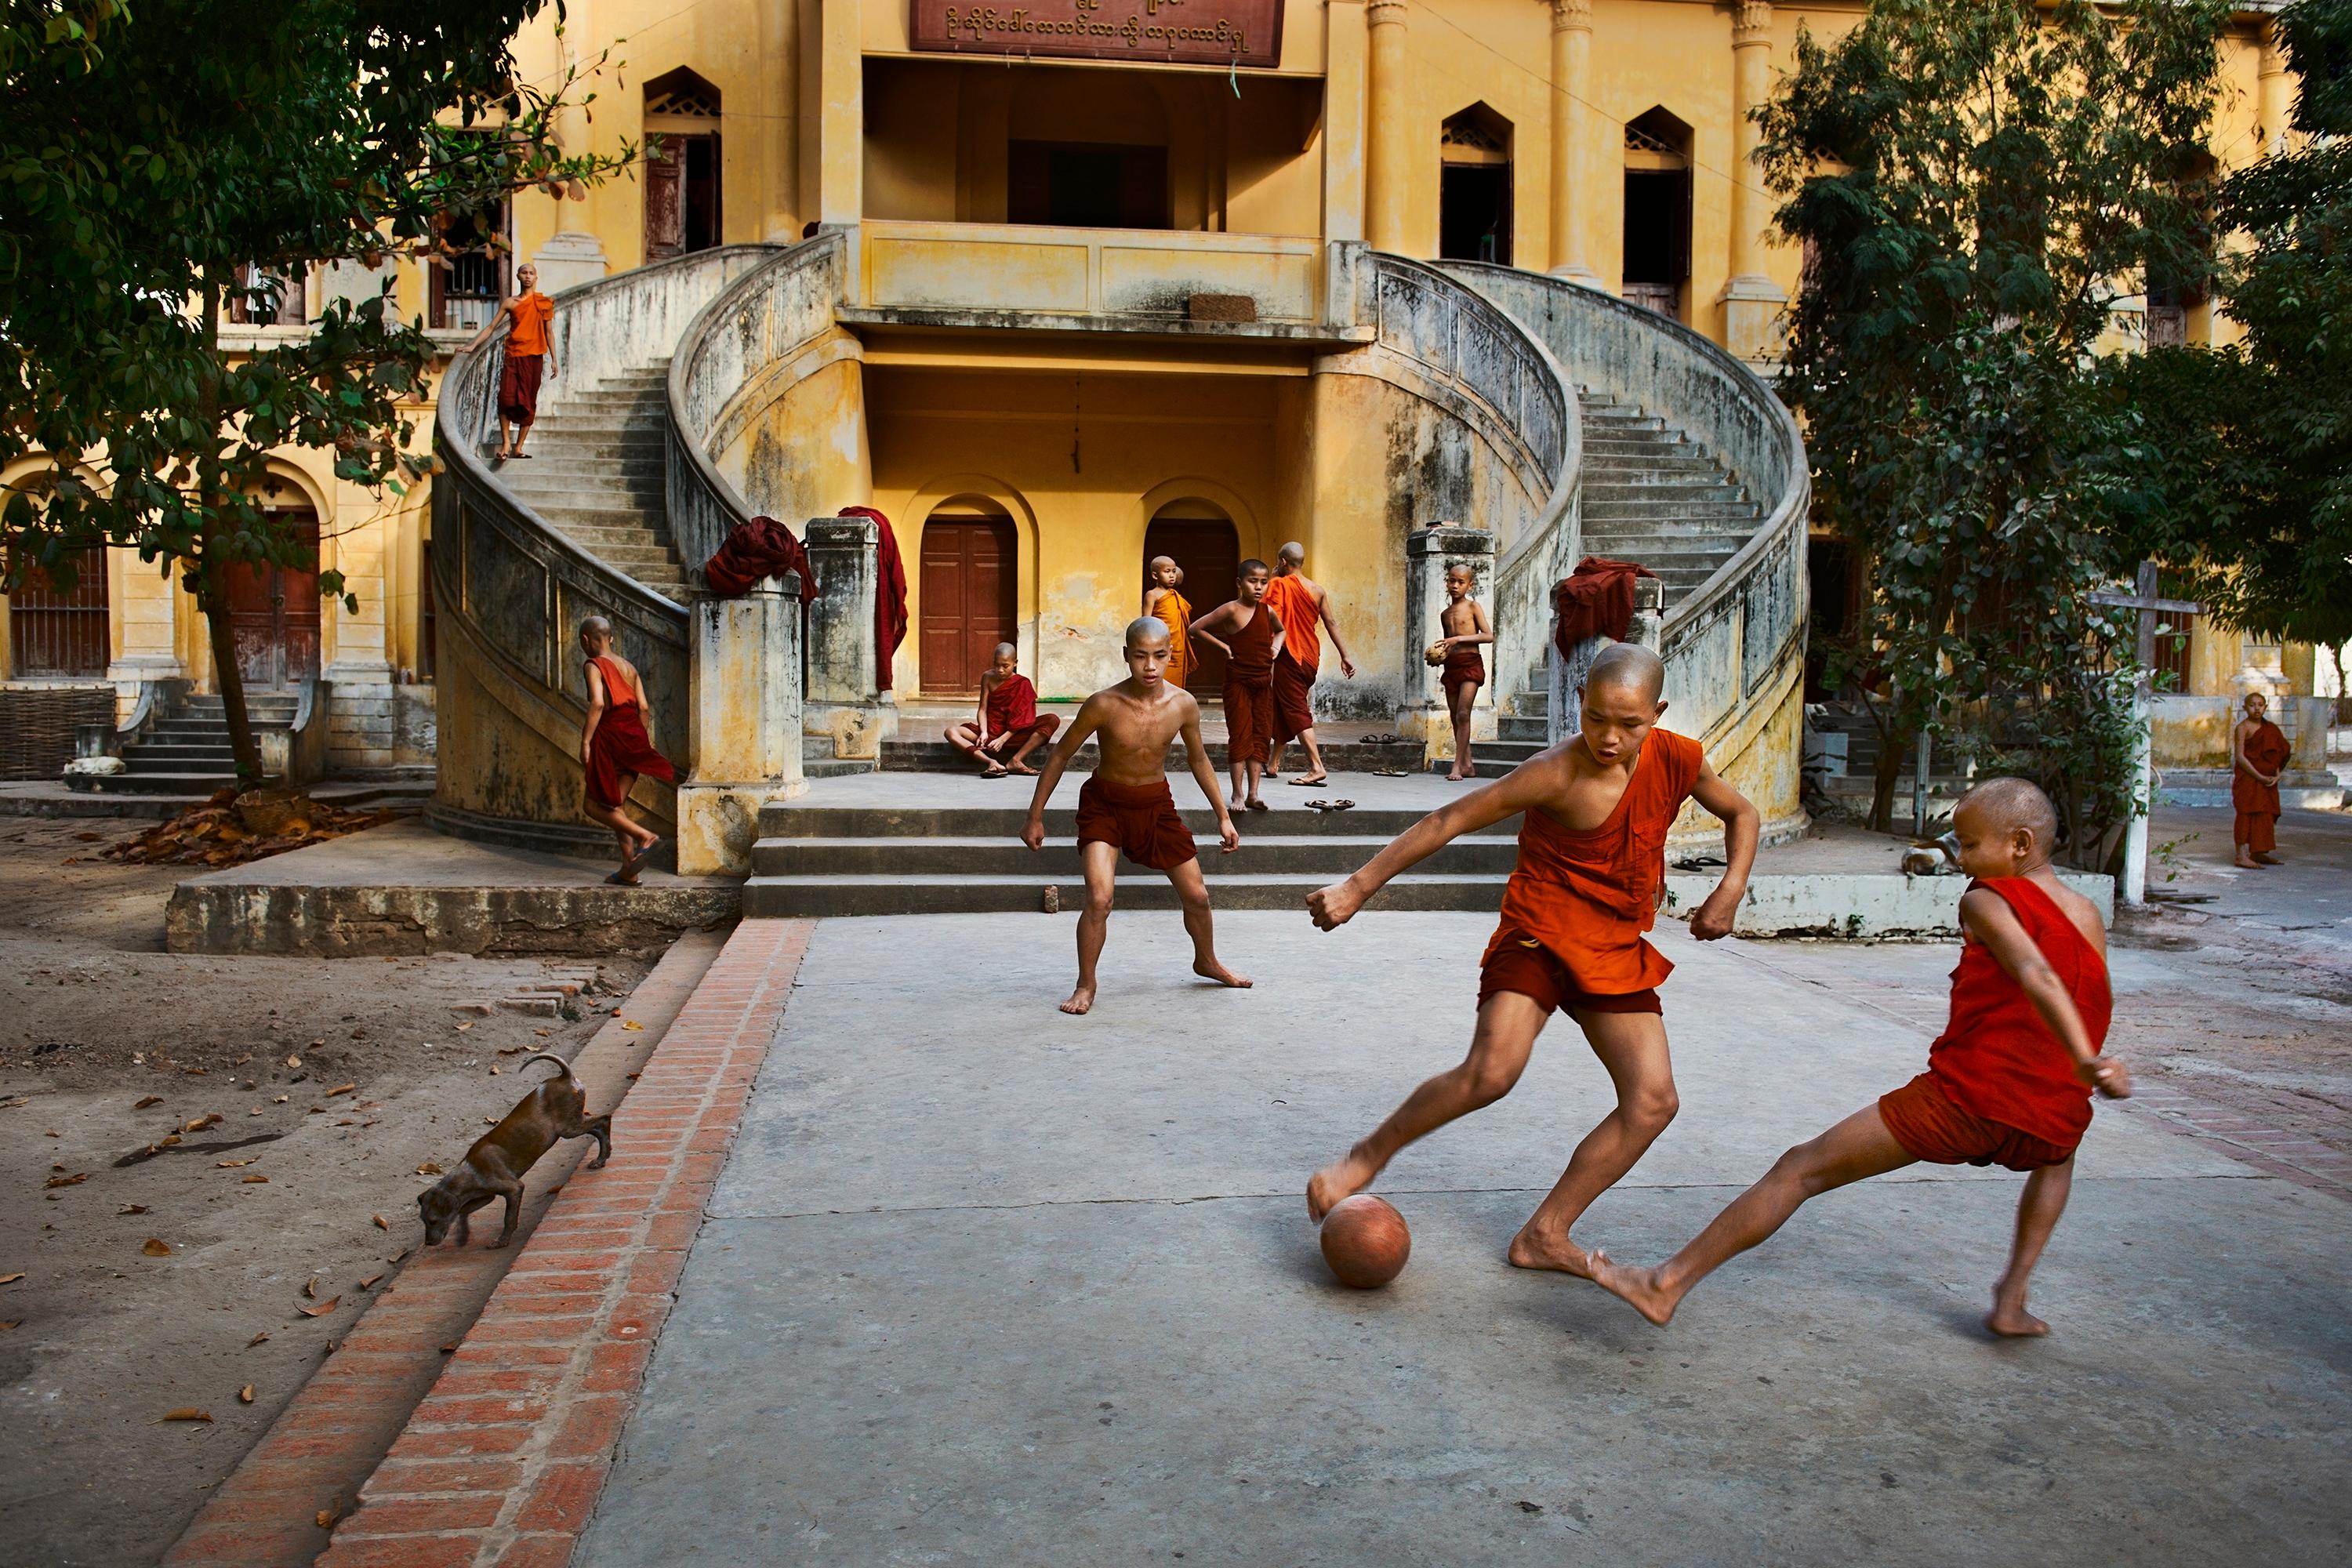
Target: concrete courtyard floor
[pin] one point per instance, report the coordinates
(984, 1284)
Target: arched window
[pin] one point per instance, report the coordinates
(1657, 212)
(1474, 192)
(969, 562)
(54, 632)
(1200, 538)
(681, 165)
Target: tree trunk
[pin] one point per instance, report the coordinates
(211, 576)
(1893, 746)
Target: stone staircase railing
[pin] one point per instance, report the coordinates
(1733, 646)
(510, 589)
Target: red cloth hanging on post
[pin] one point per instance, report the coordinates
(889, 594)
(1595, 601)
(759, 549)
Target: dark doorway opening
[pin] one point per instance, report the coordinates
(274, 614)
(1202, 542)
(1831, 583)
(1657, 238)
(967, 598)
(1081, 185)
(61, 633)
(1473, 204)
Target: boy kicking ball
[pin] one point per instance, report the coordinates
(2008, 1081)
(1126, 807)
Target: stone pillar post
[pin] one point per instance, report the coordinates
(743, 725)
(1571, 54)
(1388, 161)
(844, 697)
(1343, 122)
(1430, 552)
(1751, 301)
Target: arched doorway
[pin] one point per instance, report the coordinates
(1200, 538)
(681, 166)
(1657, 212)
(968, 564)
(274, 613)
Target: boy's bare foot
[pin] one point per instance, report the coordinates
(1210, 969)
(1456, 776)
(1022, 768)
(1082, 1000)
(1637, 1288)
(2244, 864)
(1342, 1178)
(1534, 1249)
(2010, 1319)
(1255, 804)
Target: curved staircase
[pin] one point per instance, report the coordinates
(596, 472)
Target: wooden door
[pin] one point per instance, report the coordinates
(967, 594)
(665, 173)
(54, 633)
(274, 617)
(1210, 554)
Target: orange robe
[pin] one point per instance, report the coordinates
(1176, 613)
(2267, 750)
(1588, 897)
(1294, 605)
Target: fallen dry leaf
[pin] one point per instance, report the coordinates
(489, 1121)
(150, 1099)
(131, 1209)
(341, 1088)
(325, 1519)
(11, 1279)
(509, 1050)
(186, 1412)
(542, 1034)
(256, 1179)
(293, 1061)
(243, 1059)
(195, 1072)
(380, 1223)
(157, 1248)
(494, 1069)
(14, 1100)
(323, 1308)
(429, 1168)
(349, 1121)
(230, 1165)
(73, 1181)
(368, 1283)
(280, 1101)
(310, 1286)
(7, 1323)
(464, 1026)
(255, 1340)
(167, 1141)
(244, 1395)
(632, 1024)
(201, 1122)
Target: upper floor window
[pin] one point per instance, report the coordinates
(1474, 193)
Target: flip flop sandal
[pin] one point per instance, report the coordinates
(1330, 806)
(637, 862)
(1390, 773)
(617, 880)
(1343, 806)
(1307, 784)
(1382, 738)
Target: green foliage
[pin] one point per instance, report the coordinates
(2252, 505)
(1969, 179)
(147, 157)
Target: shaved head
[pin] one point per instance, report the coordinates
(595, 627)
(1294, 553)
(2004, 805)
(1160, 561)
(1145, 630)
(1005, 650)
(1629, 666)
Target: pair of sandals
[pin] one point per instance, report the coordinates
(626, 877)
(1330, 806)
(1001, 770)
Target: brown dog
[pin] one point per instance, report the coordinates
(495, 1165)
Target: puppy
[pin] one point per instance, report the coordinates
(494, 1166)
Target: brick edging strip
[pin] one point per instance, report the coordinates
(501, 1464)
(2290, 1156)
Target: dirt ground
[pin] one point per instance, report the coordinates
(179, 1279)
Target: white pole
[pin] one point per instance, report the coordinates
(2143, 796)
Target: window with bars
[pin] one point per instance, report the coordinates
(54, 632)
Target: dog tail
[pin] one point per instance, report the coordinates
(560, 1065)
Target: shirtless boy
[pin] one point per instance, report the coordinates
(2008, 1081)
(1592, 873)
(1466, 630)
(1126, 807)
(1164, 601)
(1008, 727)
(1246, 628)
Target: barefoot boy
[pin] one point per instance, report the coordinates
(1591, 875)
(614, 747)
(1249, 631)
(1467, 631)
(1008, 727)
(2009, 1078)
(1126, 807)
(1164, 603)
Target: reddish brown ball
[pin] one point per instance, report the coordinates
(1365, 1242)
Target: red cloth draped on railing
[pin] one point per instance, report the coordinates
(1595, 601)
(755, 549)
(889, 594)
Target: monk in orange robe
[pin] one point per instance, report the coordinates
(2008, 1081)
(1592, 873)
(1302, 605)
(1164, 604)
(2259, 751)
(529, 356)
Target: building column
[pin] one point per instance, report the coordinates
(1343, 121)
(1571, 63)
(1388, 161)
(573, 256)
(841, 95)
(2277, 93)
(1753, 303)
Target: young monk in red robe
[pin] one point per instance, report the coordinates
(1464, 670)
(615, 748)
(1126, 807)
(1592, 873)
(2008, 1081)
(2259, 751)
(1250, 633)
(1008, 727)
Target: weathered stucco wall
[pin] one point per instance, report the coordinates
(2194, 731)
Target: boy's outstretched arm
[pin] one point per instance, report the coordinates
(1517, 791)
(1990, 920)
(1743, 825)
(1088, 720)
(1196, 756)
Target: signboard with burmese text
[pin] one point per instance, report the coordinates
(1148, 32)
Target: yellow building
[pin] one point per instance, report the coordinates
(1059, 286)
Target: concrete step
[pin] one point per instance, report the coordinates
(1512, 727)
(1339, 757)
(1329, 855)
(1611, 446)
(567, 465)
(1706, 487)
(632, 517)
(635, 495)
(149, 756)
(1672, 512)
(603, 425)
(570, 446)
(771, 898)
(985, 822)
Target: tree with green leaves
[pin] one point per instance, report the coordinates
(2251, 506)
(159, 165)
(1975, 183)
